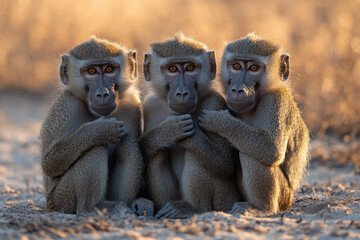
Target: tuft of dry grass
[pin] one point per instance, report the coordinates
(322, 37)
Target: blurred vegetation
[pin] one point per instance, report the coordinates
(323, 38)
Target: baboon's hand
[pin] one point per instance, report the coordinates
(107, 130)
(178, 127)
(210, 120)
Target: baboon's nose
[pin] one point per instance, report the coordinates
(102, 94)
(237, 92)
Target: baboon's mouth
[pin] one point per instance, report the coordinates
(183, 108)
(103, 110)
(241, 106)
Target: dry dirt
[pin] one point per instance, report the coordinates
(326, 207)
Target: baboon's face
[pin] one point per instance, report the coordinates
(179, 79)
(247, 79)
(245, 75)
(182, 77)
(101, 79)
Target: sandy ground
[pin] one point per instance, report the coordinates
(326, 207)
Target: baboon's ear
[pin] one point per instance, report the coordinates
(132, 61)
(147, 64)
(64, 69)
(284, 66)
(212, 62)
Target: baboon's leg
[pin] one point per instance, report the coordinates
(226, 194)
(264, 187)
(196, 185)
(162, 183)
(84, 184)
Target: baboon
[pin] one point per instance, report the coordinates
(263, 123)
(189, 170)
(90, 156)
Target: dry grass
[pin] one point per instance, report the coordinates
(322, 37)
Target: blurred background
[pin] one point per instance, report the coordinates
(322, 37)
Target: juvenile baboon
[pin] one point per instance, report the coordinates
(89, 139)
(264, 124)
(189, 170)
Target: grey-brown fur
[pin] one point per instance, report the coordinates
(272, 139)
(189, 170)
(96, 48)
(180, 46)
(252, 45)
(74, 143)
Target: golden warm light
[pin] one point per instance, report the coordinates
(321, 37)
(140, 156)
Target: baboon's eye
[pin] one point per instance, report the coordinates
(190, 68)
(109, 69)
(173, 69)
(236, 66)
(254, 67)
(91, 71)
